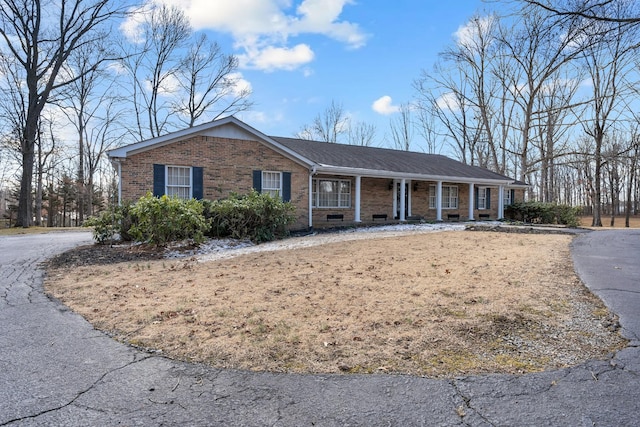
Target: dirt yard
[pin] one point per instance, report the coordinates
(435, 304)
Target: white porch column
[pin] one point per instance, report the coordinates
(439, 201)
(357, 207)
(501, 202)
(471, 200)
(310, 200)
(403, 192)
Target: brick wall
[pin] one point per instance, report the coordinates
(227, 167)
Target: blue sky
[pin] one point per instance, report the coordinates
(299, 55)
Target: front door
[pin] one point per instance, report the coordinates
(406, 200)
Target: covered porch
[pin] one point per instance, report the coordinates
(342, 200)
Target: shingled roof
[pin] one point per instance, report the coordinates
(378, 160)
(338, 159)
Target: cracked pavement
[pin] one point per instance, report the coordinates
(55, 369)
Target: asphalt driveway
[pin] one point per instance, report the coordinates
(55, 369)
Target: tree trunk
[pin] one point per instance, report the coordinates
(38, 212)
(597, 191)
(632, 175)
(627, 209)
(81, 186)
(25, 214)
(51, 210)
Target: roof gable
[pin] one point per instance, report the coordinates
(228, 127)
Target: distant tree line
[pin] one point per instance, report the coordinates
(72, 86)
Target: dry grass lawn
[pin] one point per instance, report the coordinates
(619, 222)
(438, 304)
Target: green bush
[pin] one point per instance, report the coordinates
(112, 224)
(160, 220)
(258, 217)
(105, 226)
(543, 213)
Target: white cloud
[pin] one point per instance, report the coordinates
(321, 16)
(132, 26)
(448, 101)
(276, 58)
(261, 29)
(117, 67)
(384, 105)
(169, 86)
(260, 117)
(240, 85)
(253, 116)
(588, 83)
(468, 35)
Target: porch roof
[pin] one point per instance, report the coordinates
(387, 163)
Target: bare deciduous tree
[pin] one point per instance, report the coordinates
(153, 61)
(474, 54)
(633, 160)
(210, 85)
(362, 133)
(551, 127)
(591, 10)
(93, 106)
(427, 128)
(401, 127)
(538, 48)
(173, 72)
(446, 94)
(40, 36)
(607, 63)
(85, 102)
(328, 126)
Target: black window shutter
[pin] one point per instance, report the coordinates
(158, 180)
(257, 181)
(488, 198)
(513, 196)
(286, 186)
(198, 189)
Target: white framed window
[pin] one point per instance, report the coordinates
(507, 197)
(433, 199)
(272, 183)
(178, 182)
(482, 198)
(331, 193)
(449, 197)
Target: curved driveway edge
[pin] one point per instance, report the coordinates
(55, 369)
(608, 262)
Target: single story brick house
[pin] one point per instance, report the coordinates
(326, 182)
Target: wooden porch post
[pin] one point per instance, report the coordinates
(501, 202)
